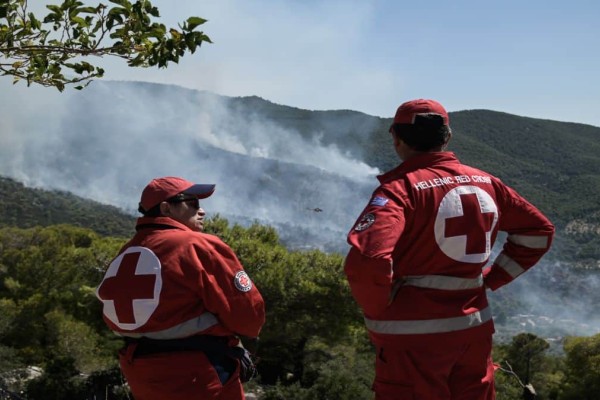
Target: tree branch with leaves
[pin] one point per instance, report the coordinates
(54, 50)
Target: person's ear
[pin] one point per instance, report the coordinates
(395, 138)
(400, 144)
(165, 208)
(447, 139)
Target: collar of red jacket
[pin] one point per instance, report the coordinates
(159, 223)
(417, 162)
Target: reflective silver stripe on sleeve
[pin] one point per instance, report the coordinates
(187, 328)
(430, 325)
(532, 242)
(443, 282)
(509, 265)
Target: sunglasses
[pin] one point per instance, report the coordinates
(193, 202)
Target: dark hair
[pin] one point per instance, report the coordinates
(427, 132)
(153, 212)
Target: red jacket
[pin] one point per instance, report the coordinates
(171, 282)
(419, 246)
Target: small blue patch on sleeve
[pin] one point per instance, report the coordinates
(379, 201)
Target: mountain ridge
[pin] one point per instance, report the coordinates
(275, 163)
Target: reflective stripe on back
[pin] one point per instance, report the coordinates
(439, 325)
(187, 328)
(443, 282)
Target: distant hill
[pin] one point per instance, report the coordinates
(555, 164)
(26, 207)
(274, 163)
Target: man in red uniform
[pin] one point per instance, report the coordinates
(181, 299)
(416, 265)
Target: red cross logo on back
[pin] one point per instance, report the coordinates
(131, 288)
(473, 223)
(466, 218)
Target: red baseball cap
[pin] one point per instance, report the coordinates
(405, 114)
(161, 189)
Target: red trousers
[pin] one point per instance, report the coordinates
(185, 375)
(435, 372)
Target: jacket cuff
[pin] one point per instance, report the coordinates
(495, 277)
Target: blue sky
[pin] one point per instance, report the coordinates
(533, 58)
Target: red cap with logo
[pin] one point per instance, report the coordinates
(406, 113)
(161, 189)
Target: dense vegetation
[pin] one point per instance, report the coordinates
(313, 345)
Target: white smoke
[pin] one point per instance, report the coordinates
(553, 300)
(108, 141)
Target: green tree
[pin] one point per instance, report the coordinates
(525, 354)
(526, 368)
(306, 295)
(60, 381)
(8, 356)
(49, 316)
(582, 368)
(36, 49)
(332, 372)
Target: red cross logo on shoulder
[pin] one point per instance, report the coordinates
(131, 288)
(242, 281)
(467, 216)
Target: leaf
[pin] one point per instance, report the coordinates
(158, 31)
(117, 12)
(190, 41)
(35, 23)
(87, 10)
(193, 22)
(82, 23)
(51, 18)
(120, 2)
(153, 11)
(55, 9)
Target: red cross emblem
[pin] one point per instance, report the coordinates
(473, 223)
(464, 224)
(242, 281)
(130, 288)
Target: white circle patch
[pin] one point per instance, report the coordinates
(130, 290)
(464, 224)
(242, 281)
(366, 221)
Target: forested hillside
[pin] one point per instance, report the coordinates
(27, 208)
